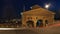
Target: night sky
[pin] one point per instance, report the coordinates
(12, 8)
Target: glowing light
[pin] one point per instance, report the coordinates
(21, 13)
(31, 7)
(47, 6)
(11, 28)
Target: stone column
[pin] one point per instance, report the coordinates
(53, 20)
(35, 24)
(23, 21)
(44, 23)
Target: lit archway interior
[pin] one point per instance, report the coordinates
(30, 23)
(39, 23)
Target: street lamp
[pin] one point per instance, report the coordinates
(21, 13)
(47, 6)
(30, 7)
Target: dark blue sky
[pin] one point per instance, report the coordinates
(55, 4)
(15, 7)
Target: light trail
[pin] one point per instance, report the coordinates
(12, 28)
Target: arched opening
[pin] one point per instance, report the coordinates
(39, 23)
(30, 23)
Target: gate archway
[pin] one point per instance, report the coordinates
(39, 23)
(30, 23)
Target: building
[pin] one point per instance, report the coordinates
(37, 17)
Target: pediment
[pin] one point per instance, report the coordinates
(39, 11)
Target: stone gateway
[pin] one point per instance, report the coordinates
(37, 17)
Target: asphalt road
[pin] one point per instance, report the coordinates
(53, 29)
(17, 32)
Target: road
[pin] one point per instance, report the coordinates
(53, 29)
(25, 31)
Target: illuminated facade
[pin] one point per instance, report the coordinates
(37, 17)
